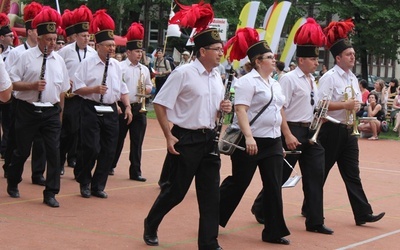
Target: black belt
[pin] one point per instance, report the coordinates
(200, 130)
(100, 104)
(341, 125)
(135, 104)
(300, 124)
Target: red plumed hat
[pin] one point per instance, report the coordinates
(68, 22)
(197, 16)
(135, 36)
(47, 21)
(4, 24)
(16, 38)
(102, 26)
(239, 44)
(309, 37)
(31, 11)
(337, 36)
(82, 18)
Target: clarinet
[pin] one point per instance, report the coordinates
(218, 128)
(42, 71)
(103, 82)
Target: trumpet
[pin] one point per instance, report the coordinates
(320, 113)
(141, 91)
(351, 114)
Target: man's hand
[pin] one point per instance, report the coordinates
(226, 106)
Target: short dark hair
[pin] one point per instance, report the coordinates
(280, 65)
(395, 81)
(363, 83)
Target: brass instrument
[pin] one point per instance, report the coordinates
(320, 113)
(351, 118)
(141, 91)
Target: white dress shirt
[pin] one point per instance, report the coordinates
(297, 90)
(14, 54)
(192, 96)
(5, 81)
(90, 73)
(251, 90)
(130, 76)
(337, 79)
(28, 68)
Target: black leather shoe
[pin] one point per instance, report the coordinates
(303, 213)
(100, 194)
(85, 191)
(40, 180)
(150, 236)
(219, 248)
(13, 191)
(62, 170)
(320, 229)
(51, 202)
(370, 218)
(282, 241)
(259, 219)
(111, 172)
(138, 178)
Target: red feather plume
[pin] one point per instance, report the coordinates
(243, 39)
(197, 16)
(338, 30)
(31, 10)
(47, 14)
(135, 32)
(101, 21)
(310, 33)
(82, 14)
(4, 21)
(61, 31)
(67, 19)
(16, 38)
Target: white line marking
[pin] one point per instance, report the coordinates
(369, 240)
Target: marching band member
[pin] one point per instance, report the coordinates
(340, 145)
(5, 83)
(39, 77)
(38, 161)
(99, 116)
(68, 25)
(190, 99)
(137, 78)
(301, 93)
(262, 140)
(73, 54)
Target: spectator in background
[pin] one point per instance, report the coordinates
(162, 67)
(280, 66)
(323, 70)
(364, 97)
(394, 114)
(374, 110)
(118, 57)
(185, 58)
(382, 93)
(393, 84)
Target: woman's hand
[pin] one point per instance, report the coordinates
(251, 146)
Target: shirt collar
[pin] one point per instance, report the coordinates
(200, 68)
(301, 74)
(38, 53)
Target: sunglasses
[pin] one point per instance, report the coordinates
(312, 98)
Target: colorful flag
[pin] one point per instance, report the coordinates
(275, 24)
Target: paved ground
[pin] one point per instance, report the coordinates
(117, 222)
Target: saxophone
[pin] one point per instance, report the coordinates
(141, 91)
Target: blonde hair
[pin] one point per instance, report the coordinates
(381, 83)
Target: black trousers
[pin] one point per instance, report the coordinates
(29, 123)
(70, 129)
(6, 117)
(194, 161)
(99, 134)
(38, 161)
(312, 165)
(342, 147)
(269, 160)
(137, 130)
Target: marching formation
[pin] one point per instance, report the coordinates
(75, 104)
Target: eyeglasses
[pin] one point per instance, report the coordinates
(312, 98)
(219, 50)
(60, 43)
(12, 36)
(267, 57)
